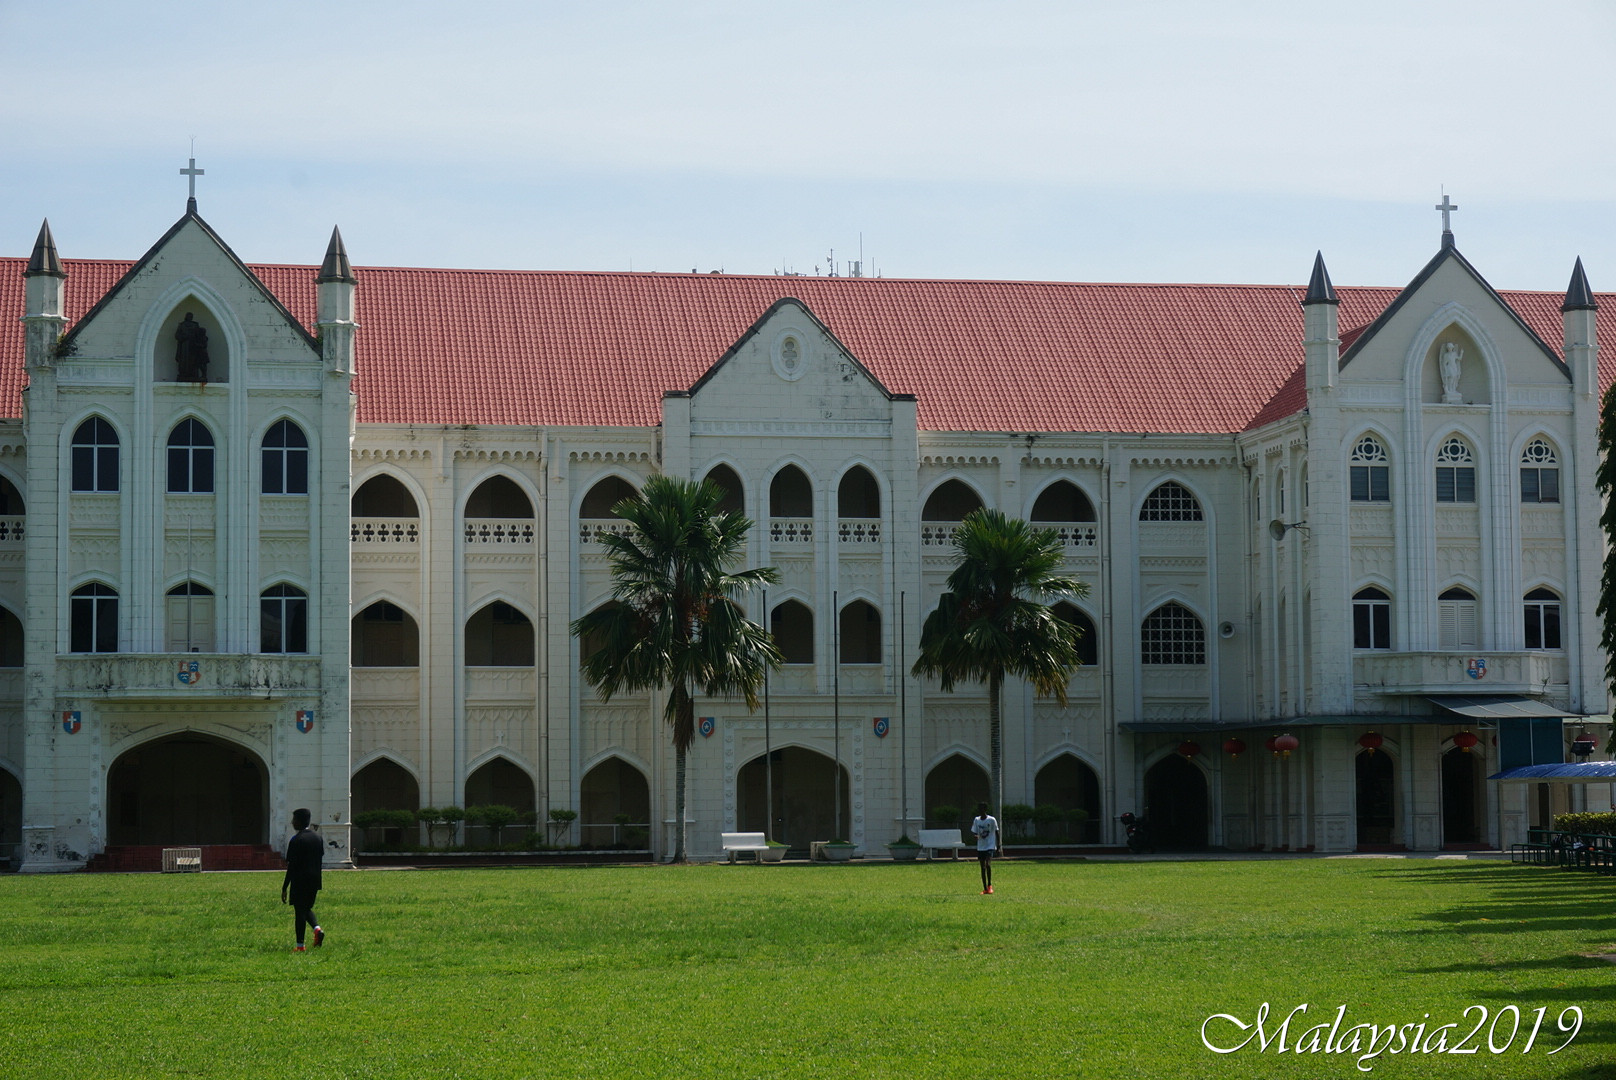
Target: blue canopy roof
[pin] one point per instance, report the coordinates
(1584, 772)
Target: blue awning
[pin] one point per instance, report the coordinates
(1583, 772)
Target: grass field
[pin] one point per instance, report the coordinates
(1073, 969)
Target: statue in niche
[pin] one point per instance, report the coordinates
(1448, 363)
(191, 351)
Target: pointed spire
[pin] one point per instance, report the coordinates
(44, 259)
(1319, 289)
(1578, 296)
(336, 266)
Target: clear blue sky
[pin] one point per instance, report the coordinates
(1150, 141)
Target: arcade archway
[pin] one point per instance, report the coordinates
(1377, 799)
(1462, 790)
(804, 786)
(1175, 804)
(188, 789)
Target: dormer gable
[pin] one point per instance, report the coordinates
(787, 366)
(189, 311)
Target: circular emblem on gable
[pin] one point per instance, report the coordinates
(789, 354)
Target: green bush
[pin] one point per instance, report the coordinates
(944, 814)
(1046, 816)
(495, 816)
(563, 817)
(1602, 823)
(440, 819)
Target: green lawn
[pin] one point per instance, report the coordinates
(883, 970)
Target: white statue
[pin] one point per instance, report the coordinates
(1448, 360)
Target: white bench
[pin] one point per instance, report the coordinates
(935, 840)
(754, 842)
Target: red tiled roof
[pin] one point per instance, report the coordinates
(542, 347)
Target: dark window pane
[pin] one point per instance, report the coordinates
(297, 472)
(1362, 634)
(202, 472)
(1444, 486)
(1529, 488)
(1383, 626)
(106, 468)
(83, 470)
(1380, 487)
(1551, 626)
(270, 626)
(273, 479)
(179, 461)
(1465, 485)
(1549, 485)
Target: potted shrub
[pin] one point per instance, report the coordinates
(903, 849)
(776, 852)
(838, 851)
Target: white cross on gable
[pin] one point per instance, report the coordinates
(1447, 206)
(193, 172)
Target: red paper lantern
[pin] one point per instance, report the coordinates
(1234, 747)
(1188, 748)
(1268, 745)
(1465, 740)
(1370, 741)
(1286, 743)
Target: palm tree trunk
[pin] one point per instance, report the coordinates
(996, 748)
(684, 732)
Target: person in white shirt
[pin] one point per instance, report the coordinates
(986, 828)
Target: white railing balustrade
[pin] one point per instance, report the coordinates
(937, 534)
(859, 530)
(590, 530)
(11, 531)
(1074, 535)
(508, 532)
(791, 530)
(385, 531)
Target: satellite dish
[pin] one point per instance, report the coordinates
(1276, 529)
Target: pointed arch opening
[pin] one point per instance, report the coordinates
(384, 784)
(1176, 804)
(858, 495)
(790, 494)
(953, 501)
(614, 807)
(499, 782)
(603, 496)
(1088, 635)
(1061, 502)
(188, 789)
(729, 482)
(1463, 792)
(792, 624)
(1376, 788)
(384, 496)
(953, 788)
(385, 635)
(499, 497)
(498, 635)
(860, 626)
(1072, 787)
(804, 785)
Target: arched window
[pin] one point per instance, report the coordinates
(1371, 619)
(792, 625)
(1542, 620)
(952, 501)
(1171, 501)
(190, 459)
(190, 618)
(384, 635)
(790, 494)
(383, 496)
(1369, 471)
(93, 617)
(1172, 634)
(11, 504)
(498, 635)
(1279, 493)
(1088, 638)
(499, 497)
(858, 495)
(286, 459)
(10, 639)
(283, 620)
(604, 495)
(734, 499)
(1455, 472)
(1540, 473)
(860, 633)
(95, 457)
(1062, 501)
(1457, 623)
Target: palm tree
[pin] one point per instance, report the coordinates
(995, 619)
(675, 623)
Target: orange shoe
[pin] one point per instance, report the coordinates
(297, 948)
(319, 937)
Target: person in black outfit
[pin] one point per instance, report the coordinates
(304, 853)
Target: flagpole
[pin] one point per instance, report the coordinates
(768, 744)
(903, 718)
(836, 704)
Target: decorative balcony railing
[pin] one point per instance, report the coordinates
(864, 531)
(11, 532)
(1472, 671)
(204, 675)
(385, 532)
(500, 532)
(590, 530)
(791, 531)
(1074, 535)
(937, 534)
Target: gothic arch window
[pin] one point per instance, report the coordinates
(498, 635)
(1457, 621)
(1369, 471)
(1171, 501)
(607, 493)
(499, 497)
(190, 459)
(1371, 619)
(384, 635)
(1543, 619)
(1088, 638)
(11, 502)
(1540, 473)
(790, 494)
(11, 637)
(283, 620)
(1455, 472)
(792, 625)
(95, 457)
(93, 619)
(1279, 493)
(858, 495)
(1062, 501)
(384, 496)
(860, 633)
(729, 482)
(285, 459)
(1172, 634)
(952, 501)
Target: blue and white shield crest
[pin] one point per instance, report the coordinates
(190, 672)
(72, 721)
(1476, 667)
(706, 725)
(883, 725)
(305, 720)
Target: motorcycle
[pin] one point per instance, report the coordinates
(1138, 833)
